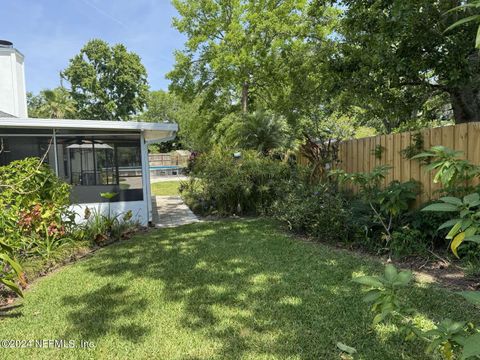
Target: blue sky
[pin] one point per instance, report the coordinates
(50, 32)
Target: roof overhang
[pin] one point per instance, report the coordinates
(153, 132)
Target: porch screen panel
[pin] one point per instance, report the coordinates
(101, 164)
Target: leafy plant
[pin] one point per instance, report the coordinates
(109, 196)
(49, 243)
(383, 292)
(448, 337)
(378, 151)
(368, 182)
(387, 204)
(466, 225)
(35, 205)
(102, 229)
(474, 5)
(450, 169)
(10, 270)
(407, 241)
(397, 197)
(417, 147)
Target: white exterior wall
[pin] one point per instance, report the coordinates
(13, 98)
(139, 210)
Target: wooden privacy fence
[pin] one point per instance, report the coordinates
(358, 155)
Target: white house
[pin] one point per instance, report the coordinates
(93, 156)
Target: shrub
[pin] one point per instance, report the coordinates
(10, 270)
(408, 242)
(224, 185)
(35, 205)
(315, 210)
(388, 205)
(428, 223)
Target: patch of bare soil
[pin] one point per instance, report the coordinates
(441, 272)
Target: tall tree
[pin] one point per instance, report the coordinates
(235, 50)
(193, 122)
(394, 56)
(107, 82)
(162, 106)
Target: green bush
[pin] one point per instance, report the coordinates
(224, 185)
(315, 210)
(408, 242)
(35, 205)
(428, 223)
(33, 220)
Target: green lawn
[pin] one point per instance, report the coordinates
(215, 290)
(166, 188)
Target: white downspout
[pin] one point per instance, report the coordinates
(146, 176)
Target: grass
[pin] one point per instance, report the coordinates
(166, 188)
(216, 290)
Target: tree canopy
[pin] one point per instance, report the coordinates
(107, 82)
(387, 64)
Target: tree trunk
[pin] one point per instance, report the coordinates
(245, 96)
(465, 104)
(465, 98)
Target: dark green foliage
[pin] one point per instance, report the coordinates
(383, 208)
(415, 148)
(464, 222)
(398, 197)
(428, 223)
(407, 242)
(34, 215)
(260, 130)
(224, 185)
(378, 151)
(315, 210)
(51, 104)
(10, 270)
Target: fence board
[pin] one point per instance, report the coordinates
(425, 177)
(360, 157)
(389, 155)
